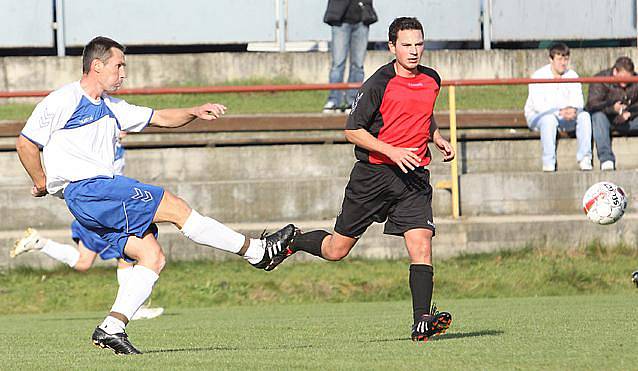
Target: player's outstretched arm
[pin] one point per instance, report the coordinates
(443, 146)
(29, 154)
(176, 117)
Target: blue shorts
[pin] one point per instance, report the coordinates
(114, 208)
(93, 242)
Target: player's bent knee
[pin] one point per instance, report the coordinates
(82, 266)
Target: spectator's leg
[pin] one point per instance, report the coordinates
(358, 47)
(339, 53)
(583, 136)
(548, 126)
(602, 137)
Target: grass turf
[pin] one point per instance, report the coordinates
(568, 332)
(468, 98)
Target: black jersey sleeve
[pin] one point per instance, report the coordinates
(365, 107)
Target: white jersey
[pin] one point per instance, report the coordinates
(79, 135)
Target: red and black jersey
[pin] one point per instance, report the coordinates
(396, 110)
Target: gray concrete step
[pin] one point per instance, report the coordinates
(537, 193)
(453, 237)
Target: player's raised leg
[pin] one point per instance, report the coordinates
(427, 321)
(204, 230)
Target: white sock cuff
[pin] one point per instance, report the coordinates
(143, 273)
(64, 253)
(192, 222)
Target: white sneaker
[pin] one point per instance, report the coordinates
(585, 164)
(330, 107)
(608, 166)
(31, 241)
(549, 168)
(147, 313)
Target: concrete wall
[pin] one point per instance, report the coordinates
(43, 73)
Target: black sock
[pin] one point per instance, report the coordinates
(309, 242)
(421, 284)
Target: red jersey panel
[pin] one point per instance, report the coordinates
(396, 110)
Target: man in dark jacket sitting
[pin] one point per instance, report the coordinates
(613, 106)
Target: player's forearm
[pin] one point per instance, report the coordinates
(29, 155)
(364, 139)
(173, 117)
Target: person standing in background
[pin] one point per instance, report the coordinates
(350, 21)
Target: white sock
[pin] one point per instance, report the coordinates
(135, 290)
(255, 251)
(123, 274)
(208, 231)
(112, 325)
(64, 253)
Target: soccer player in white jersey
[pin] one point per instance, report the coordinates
(77, 127)
(90, 245)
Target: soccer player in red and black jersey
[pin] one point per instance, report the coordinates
(390, 124)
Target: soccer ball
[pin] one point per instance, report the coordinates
(604, 203)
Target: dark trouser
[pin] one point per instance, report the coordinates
(602, 134)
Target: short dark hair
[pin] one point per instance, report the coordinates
(98, 48)
(403, 23)
(559, 49)
(625, 64)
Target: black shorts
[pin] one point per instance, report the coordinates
(376, 193)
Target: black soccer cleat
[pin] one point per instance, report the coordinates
(277, 247)
(634, 278)
(118, 343)
(432, 324)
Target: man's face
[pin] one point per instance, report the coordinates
(621, 73)
(111, 74)
(559, 63)
(408, 48)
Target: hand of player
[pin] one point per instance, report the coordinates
(405, 158)
(625, 115)
(210, 111)
(445, 148)
(39, 191)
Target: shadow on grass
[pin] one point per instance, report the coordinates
(456, 335)
(218, 348)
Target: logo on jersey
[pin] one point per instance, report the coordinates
(415, 84)
(144, 196)
(47, 118)
(86, 120)
(356, 101)
(430, 223)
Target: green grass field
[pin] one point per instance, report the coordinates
(549, 308)
(572, 332)
(468, 98)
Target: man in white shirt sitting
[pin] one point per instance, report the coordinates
(553, 107)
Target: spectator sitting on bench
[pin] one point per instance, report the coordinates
(613, 105)
(553, 107)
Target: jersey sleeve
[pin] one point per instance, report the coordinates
(365, 107)
(130, 117)
(44, 120)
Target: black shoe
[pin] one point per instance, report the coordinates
(634, 278)
(277, 247)
(118, 343)
(432, 324)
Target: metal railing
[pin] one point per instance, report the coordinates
(452, 184)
